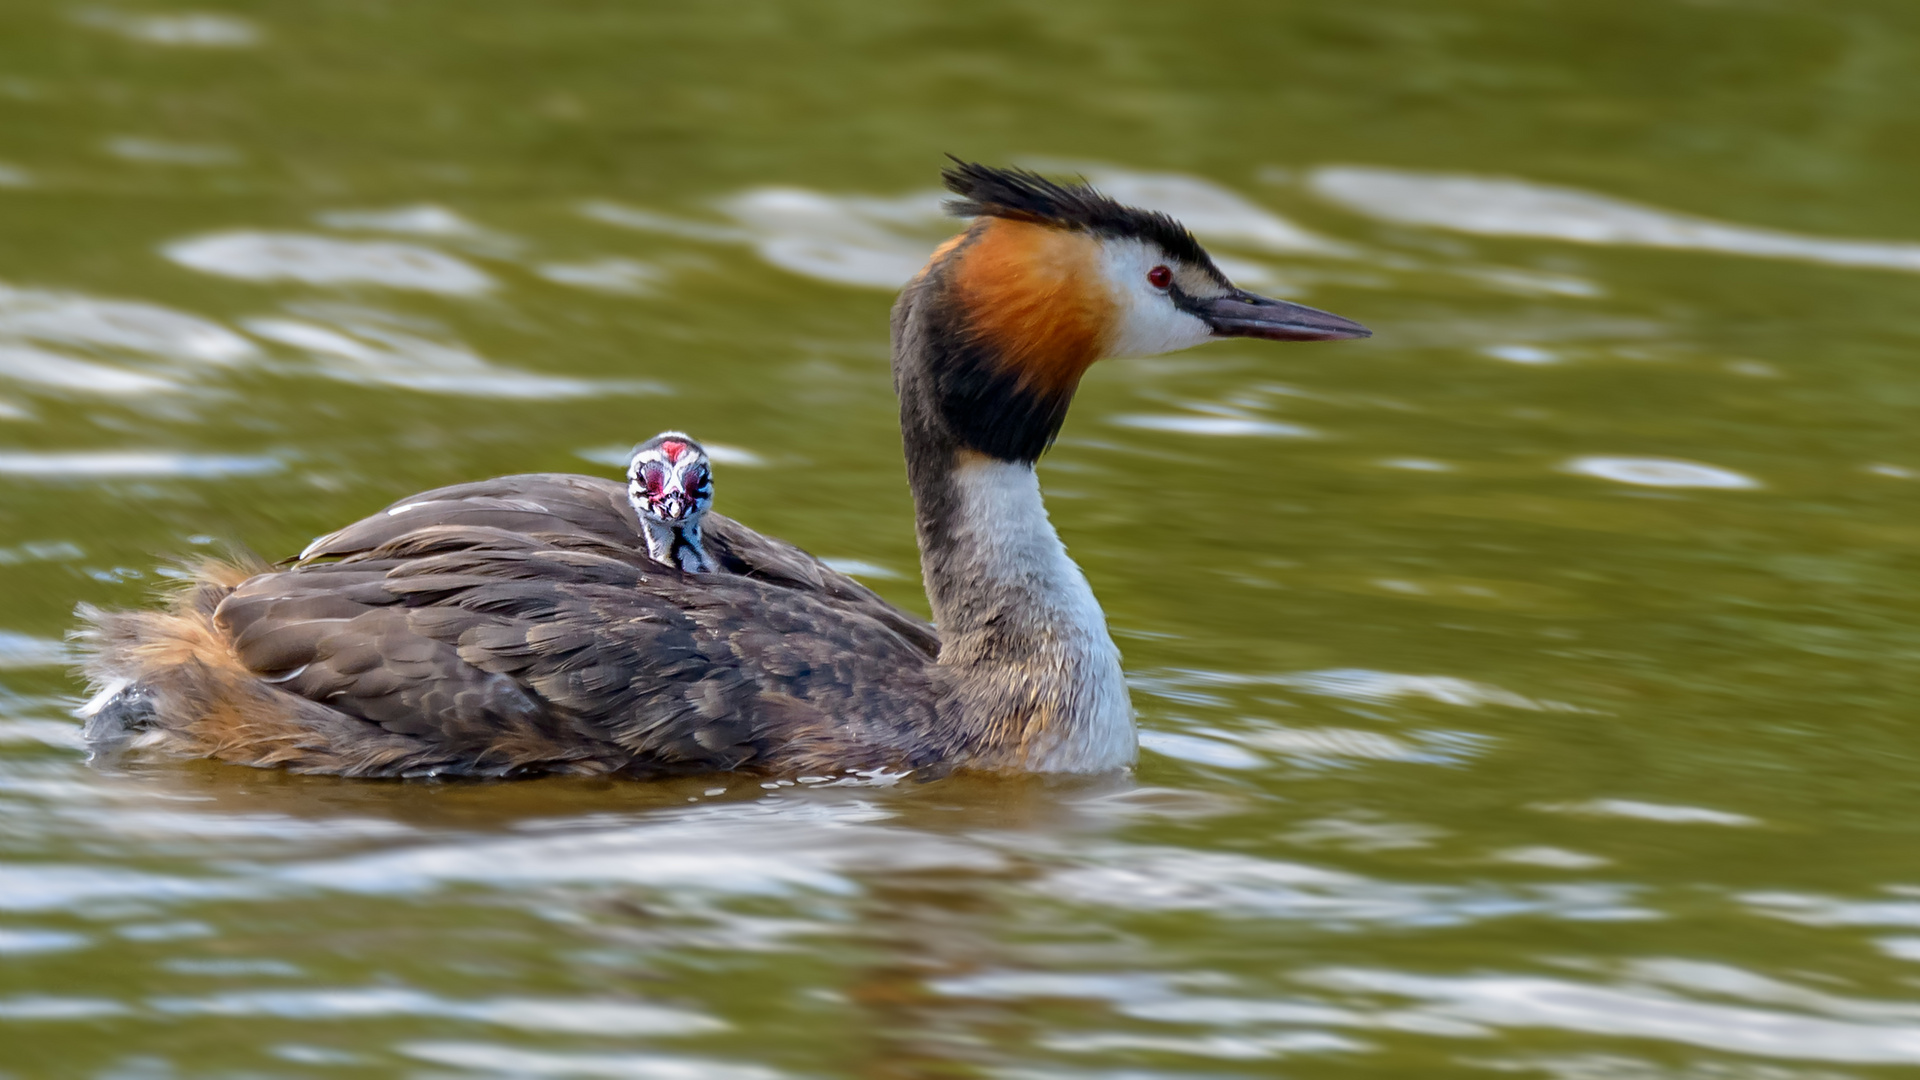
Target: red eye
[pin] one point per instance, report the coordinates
(654, 477)
(1160, 277)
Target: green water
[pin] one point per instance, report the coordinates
(1525, 692)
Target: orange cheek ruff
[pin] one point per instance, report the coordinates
(1033, 294)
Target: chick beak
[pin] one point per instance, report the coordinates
(1244, 314)
(674, 506)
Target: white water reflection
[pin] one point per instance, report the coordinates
(363, 349)
(189, 29)
(12, 176)
(42, 1008)
(183, 930)
(1645, 811)
(1199, 750)
(787, 866)
(1214, 425)
(1380, 687)
(862, 568)
(495, 1060)
(41, 368)
(29, 942)
(131, 464)
(423, 219)
(575, 1017)
(752, 849)
(628, 277)
(1363, 834)
(1618, 1066)
(648, 221)
(325, 261)
(277, 830)
(61, 733)
(1521, 354)
(1153, 879)
(1214, 212)
(1330, 743)
(145, 349)
(881, 241)
(1497, 206)
(1322, 747)
(1903, 910)
(26, 651)
(160, 152)
(234, 967)
(1549, 856)
(1530, 282)
(1115, 986)
(783, 849)
(1851, 1031)
(67, 318)
(844, 239)
(720, 453)
(1224, 1047)
(43, 887)
(1165, 999)
(1660, 472)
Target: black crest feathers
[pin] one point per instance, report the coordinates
(986, 191)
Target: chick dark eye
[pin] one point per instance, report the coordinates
(1160, 277)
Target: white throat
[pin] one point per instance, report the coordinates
(1002, 526)
(676, 545)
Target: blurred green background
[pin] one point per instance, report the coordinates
(1524, 691)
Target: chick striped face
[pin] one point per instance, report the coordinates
(669, 479)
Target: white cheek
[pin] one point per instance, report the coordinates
(1148, 324)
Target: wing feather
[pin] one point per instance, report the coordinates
(517, 624)
(558, 511)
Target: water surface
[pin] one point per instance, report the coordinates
(1524, 692)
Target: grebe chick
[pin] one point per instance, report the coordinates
(515, 626)
(670, 484)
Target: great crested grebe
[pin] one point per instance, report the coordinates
(513, 626)
(670, 484)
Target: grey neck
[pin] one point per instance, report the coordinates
(1037, 679)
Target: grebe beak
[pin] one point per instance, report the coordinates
(674, 506)
(1244, 314)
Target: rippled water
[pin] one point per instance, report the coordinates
(1526, 691)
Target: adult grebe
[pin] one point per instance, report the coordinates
(513, 626)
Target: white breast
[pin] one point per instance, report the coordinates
(1004, 522)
